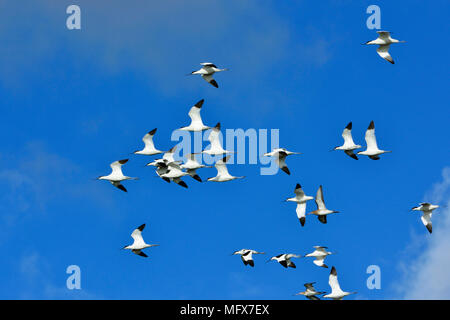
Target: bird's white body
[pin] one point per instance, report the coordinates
(139, 243)
(174, 171)
(247, 256)
(336, 291)
(384, 41)
(285, 259)
(149, 148)
(321, 211)
(427, 212)
(372, 150)
(116, 175)
(319, 256)
(207, 70)
(300, 198)
(349, 146)
(280, 155)
(196, 119)
(222, 172)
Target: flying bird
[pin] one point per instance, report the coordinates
(285, 259)
(280, 155)
(349, 146)
(301, 199)
(222, 171)
(175, 173)
(372, 150)
(336, 292)
(139, 243)
(321, 211)
(196, 120)
(247, 256)
(384, 41)
(427, 212)
(207, 70)
(319, 256)
(149, 148)
(311, 293)
(116, 176)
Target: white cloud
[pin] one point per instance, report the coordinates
(426, 276)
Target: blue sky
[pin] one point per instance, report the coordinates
(75, 101)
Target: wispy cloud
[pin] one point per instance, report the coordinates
(425, 273)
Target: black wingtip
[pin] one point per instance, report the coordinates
(371, 125)
(349, 126)
(285, 169)
(302, 221)
(199, 104)
(121, 187)
(214, 83)
(354, 156)
(123, 161)
(429, 228)
(251, 263)
(217, 127)
(197, 177)
(183, 184)
(152, 132)
(298, 186)
(333, 271)
(141, 227)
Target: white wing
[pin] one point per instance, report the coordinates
(319, 199)
(222, 167)
(148, 140)
(383, 51)
(333, 281)
(116, 166)
(347, 135)
(214, 137)
(194, 113)
(137, 236)
(301, 208)
(371, 140)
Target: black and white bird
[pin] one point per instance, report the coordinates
(191, 165)
(321, 211)
(285, 259)
(116, 176)
(139, 243)
(215, 147)
(280, 155)
(196, 120)
(207, 70)
(319, 256)
(336, 291)
(311, 293)
(427, 212)
(222, 172)
(384, 41)
(175, 173)
(247, 256)
(149, 147)
(349, 146)
(372, 150)
(300, 198)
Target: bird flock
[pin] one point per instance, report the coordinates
(171, 170)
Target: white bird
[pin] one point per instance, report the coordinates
(319, 256)
(247, 256)
(196, 120)
(285, 259)
(139, 243)
(321, 211)
(175, 174)
(384, 40)
(311, 293)
(222, 171)
(372, 150)
(427, 209)
(149, 148)
(116, 176)
(301, 199)
(191, 165)
(215, 147)
(207, 70)
(336, 292)
(280, 155)
(349, 146)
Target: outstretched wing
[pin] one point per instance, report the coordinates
(383, 51)
(137, 235)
